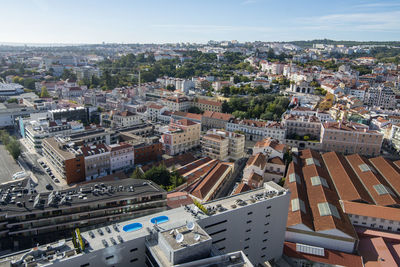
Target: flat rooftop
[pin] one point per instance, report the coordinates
(189, 237)
(17, 205)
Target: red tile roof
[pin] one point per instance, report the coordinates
(332, 257)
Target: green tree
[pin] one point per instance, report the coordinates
(194, 109)
(14, 147)
(138, 174)
(44, 93)
(170, 87)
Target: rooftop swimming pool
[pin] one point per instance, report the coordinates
(132, 227)
(159, 219)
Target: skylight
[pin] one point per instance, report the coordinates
(327, 209)
(298, 204)
(318, 180)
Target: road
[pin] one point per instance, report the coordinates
(29, 161)
(8, 166)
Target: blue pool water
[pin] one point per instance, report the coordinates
(132, 227)
(159, 219)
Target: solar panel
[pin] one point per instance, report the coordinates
(310, 250)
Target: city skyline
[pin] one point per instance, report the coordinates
(73, 22)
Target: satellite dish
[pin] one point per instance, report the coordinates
(190, 225)
(179, 238)
(197, 237)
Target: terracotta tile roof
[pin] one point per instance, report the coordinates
(331, 257)
(126, 114)
(188, 115)
(178, 199)
(214, 136)
(192, 165)
(204, 187)
(345, 180)
(218, 115)
(94, 150)
(255, 177)
(371, 178)
(320, 194)
(361, 209)
(208, 102)
(269, 142)
(373, 250)
(119, 146)
(298, 191)
(276, 160)
(258, 160)
(155, 106)
(186, 122)
(389, 171)
(242, 187)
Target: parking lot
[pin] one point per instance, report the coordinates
(8, 166)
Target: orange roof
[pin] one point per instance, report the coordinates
(361, 209)
(242, 187)
(204, 187)
(331, 257)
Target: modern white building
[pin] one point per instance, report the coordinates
(251, 222)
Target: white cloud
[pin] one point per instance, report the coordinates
(380, 21)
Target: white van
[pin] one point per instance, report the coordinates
(19, 175)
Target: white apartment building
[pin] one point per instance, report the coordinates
(220, 144)
(251, 222)
(121, 157)
(177, 103)
(257, 130)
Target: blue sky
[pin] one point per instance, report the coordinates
(160, 21)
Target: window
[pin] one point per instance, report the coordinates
(266, 232)
(246, 247)
(221, 231)
(264, 248)
(247, 239)
(327, 209)
(219, 240)
(318, 180)
(383, 190)
(298, 204)
(249, 213)
(221, 248)
(133, 260)
(265, 240)
(214, 224)
(248, 222)
(134, 249)
(109, 257)
(248, 230)
(85, 265)
(268, 207)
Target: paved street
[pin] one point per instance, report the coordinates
(8, 166)
(235, 177)
(30, 161)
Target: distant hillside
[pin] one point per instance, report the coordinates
(309, 43)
